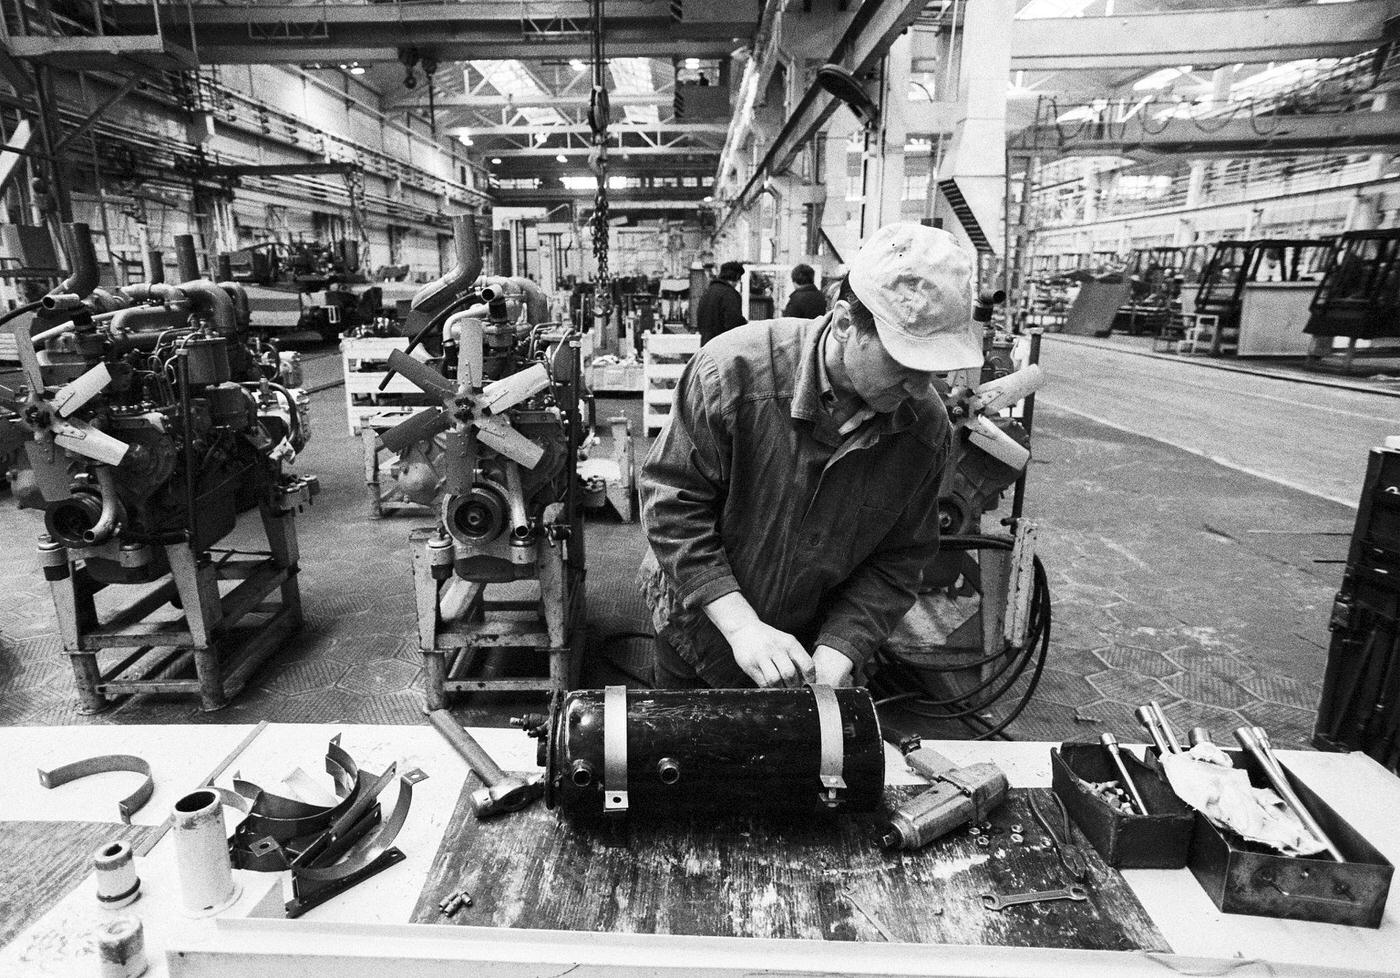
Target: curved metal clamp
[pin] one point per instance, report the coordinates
(102, 764)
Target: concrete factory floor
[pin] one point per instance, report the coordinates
(1193, 527)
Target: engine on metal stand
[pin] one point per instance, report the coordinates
(498, 459)
(147, 421)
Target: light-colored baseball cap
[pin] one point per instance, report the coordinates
(917, 283)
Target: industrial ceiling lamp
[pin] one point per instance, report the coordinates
(843, 86)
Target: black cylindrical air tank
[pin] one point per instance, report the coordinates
(722, 751)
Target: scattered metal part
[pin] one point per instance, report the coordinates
(102, 764)
(115, 872)
(999, 902)
(1198, 735)
(986, 825)
(1082, 718)
(874, 921)
(415, 774)
(1017, 837)
(1017, 827)
(1071, 857)
(1148, 719)
(455, 901)
(983, 840)
(974, 830)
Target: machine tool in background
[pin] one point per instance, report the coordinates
(147, 420)
(498, 459)
(983, 617)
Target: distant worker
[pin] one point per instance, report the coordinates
(806, 301)
(720, 307)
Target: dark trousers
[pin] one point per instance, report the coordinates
(670, 671)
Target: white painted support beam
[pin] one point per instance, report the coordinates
(614, 154)
(19, 140)
(1230, 34)
(578, 129)
(615, 99)
(1342, 131)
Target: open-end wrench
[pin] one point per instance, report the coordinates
(995, 901)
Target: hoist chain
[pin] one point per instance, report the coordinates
(598, 123)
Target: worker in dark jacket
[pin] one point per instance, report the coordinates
(720, 308)
(791, 503)
(806, 301)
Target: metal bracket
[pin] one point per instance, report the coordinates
(615, 750)
(833, 745)
(101, 764)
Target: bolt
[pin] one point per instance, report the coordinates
(983, 840)
(1016, 827)
(975, 830)
(1016, 837)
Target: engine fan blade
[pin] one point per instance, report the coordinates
(420, 375)
(997, 443)
(470, 352)
(1003, 392)
(500, 395)
(420, 427)
(459, 462)
(74, 394)
(497, 434)
(83, 439)
(50, 470)
(24, 349)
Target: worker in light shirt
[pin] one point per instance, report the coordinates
(790, 505)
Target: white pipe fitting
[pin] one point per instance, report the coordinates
(121, 948)
(201, 854)
(117, 884)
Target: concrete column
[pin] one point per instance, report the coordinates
(885, 192)
(1196, 183)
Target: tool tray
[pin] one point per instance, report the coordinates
(1244, 877)
(1125, 840)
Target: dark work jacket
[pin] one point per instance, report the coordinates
(751, 488)
(806, 302)
(720, 310)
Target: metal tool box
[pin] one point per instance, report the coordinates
(1126, 840)
(1243, 877)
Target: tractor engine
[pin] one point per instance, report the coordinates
(148, 415)
(497, 455)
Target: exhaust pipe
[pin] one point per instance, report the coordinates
(212, 302)
(82, 257)
(185, 258)
(437, 296)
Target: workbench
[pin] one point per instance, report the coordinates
(47, 836)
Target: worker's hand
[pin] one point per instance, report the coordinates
(770, 656)
(833, 668)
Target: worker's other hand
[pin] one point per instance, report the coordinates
(770, 656)
(833, 668)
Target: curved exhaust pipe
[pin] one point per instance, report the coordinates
(213, 303)
(438, 295)
(82, 257)
(242, 308)
(111, 514)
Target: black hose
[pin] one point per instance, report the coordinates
(922, 701)
(18, 311)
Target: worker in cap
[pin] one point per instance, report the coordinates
(790, 504)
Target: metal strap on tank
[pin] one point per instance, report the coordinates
(833, 744)
(615, 750)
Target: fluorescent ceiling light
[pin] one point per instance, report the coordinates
(495, 161)
(561, 158)
(577, 64)
(692, 64)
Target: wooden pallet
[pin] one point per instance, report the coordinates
(365, 362)
(664, 359)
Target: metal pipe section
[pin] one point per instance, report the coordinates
(212, 303)
(438, 294)
(1267, 762)
(1165, 726)
(1148, 719)
(82, 257)
(110, 516)
(155, 267)
(1110, 744)
(186, 260)
(149, 319)
(201, 854)
(242, 308)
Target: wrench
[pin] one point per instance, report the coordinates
(994, 901)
